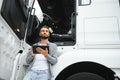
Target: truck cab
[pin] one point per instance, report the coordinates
(87, 33)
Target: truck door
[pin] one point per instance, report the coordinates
(13, 19)
(98, 23)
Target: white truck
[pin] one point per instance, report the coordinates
(87, 33)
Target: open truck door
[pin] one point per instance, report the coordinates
(14, 19)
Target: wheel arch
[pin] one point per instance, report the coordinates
(91, 67)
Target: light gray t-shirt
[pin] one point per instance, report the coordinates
(40, 61)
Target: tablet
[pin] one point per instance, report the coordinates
(43, 47)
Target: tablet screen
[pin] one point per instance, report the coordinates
(43, 47)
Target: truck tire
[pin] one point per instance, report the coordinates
(85, 76)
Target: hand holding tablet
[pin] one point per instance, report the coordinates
(38, 49)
